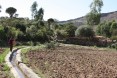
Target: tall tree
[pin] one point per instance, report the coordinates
(39, 14)
(34, 9)
(93, 17)
(0, 8)
(11, 11)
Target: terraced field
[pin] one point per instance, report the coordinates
(74, 62)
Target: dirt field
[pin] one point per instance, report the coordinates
(74, 62)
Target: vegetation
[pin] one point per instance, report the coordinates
(93, 17)
(4, 69)
(85, 32)
(0, 8)
(37, 30)
(11, 11)
(3, 54)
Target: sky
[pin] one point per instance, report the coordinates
(58, 9)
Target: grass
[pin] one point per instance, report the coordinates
(6, 69)
(3, 55)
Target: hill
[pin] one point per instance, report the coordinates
(82, 20)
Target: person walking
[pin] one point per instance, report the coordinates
(11, 43)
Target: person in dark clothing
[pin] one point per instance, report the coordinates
(11, 43)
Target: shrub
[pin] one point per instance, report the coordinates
(84, 31)
(51, 45)
(104, 29)
(114, 37)
(70, 29)
(114, 45)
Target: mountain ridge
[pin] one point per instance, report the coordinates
(82, 20)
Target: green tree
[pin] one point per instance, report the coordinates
(104, 29)
(93, 17)
(50, 21)
(0, 8)
(11, 11)
(84, 31)
(113, 27)
(39, 18)
(39, 15)
(70, 29)
(34, 9)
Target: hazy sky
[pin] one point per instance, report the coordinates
(58, 9)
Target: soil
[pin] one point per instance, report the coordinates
(74, 62)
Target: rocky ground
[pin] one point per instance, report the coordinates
(74, 62)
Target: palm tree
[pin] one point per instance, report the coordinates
(11, 11)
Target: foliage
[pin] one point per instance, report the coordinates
(0, 8)
(21, 27)
(50, 21)
(11, 11)
(114, 45)
(2, 33)
(114, 37)
(96, 5)
(61, 34)
(12, 32)
(93, 17)
(3, 55)
(84, 31)
(104, 29)
(52, 45)
(107, 29)
(39, 15)
(70, 29)
(34, 9)
(113, 28)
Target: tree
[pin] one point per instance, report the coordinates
(104, 29)
(11, 11)
(0, 8)
(113, 27)
(93, 17)
(34, 9)
(39, 15)
(96, 5)
(70, 29)
(50, 22)
(84, 32)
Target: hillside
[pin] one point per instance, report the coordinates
(82, 20)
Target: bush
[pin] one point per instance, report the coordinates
(114, 45)
(70, 29)
(84, 31)
(104, 29)
(51, 45)
(114, 38)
